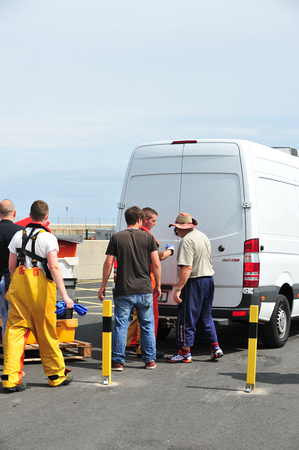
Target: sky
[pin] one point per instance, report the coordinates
(83, 82)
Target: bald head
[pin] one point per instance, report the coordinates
(7, 210)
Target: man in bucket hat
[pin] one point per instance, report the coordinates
(195, 290)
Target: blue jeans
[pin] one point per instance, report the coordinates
(4, 307)
(123, 307)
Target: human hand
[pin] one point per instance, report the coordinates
(157, 292)
(176, 297)
(68, 302)
(101, 293)
(170, 247)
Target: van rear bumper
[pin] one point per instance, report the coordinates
(238, 313)
(241, 312)
(168, 311)
(171, 311)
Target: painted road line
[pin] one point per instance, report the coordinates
(83, 299)
(89, 281)
(94, 305)
(86, 289)
(89, 303)
(92, 290)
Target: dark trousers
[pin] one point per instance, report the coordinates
(196, 310)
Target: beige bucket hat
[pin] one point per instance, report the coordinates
(184, 221)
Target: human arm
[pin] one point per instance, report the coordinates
(107, 267)
(185, 273)
(169, 250)
(12, 262)
(156, 267)
(56, 273)
(164, 255)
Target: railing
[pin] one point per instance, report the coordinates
(81, 226)
(87, 222)
(100, 222)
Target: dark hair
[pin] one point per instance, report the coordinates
(149, 212)
(39, 209)
(133, 214)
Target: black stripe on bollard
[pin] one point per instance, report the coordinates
(253, 330)
(107, 324)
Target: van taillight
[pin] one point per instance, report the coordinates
(190, 141)
(239, 313)
(251, 246)
(251, 275)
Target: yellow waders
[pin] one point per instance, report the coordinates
(133, 335)
(32, 298)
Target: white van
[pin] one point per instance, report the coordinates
(245, 197)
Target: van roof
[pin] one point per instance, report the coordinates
(292, 151)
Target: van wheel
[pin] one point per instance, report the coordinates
(163, 329)
(275, 333)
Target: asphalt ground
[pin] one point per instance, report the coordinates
(202, 405)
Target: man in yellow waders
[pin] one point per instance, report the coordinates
(32, 298)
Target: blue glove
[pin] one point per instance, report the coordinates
(60, 307)
(170, 247)
(81, 310)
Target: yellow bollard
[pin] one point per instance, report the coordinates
(252, 348)
(106, 341)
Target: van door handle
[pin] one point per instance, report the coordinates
(221, 248)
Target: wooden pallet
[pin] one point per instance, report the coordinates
(71, 350)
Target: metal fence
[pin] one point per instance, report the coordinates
(84, 226)
(81, 226)
(86, 221)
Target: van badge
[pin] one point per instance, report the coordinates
(231, 260)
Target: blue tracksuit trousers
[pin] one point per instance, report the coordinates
(196, 310)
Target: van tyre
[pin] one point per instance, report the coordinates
(275, 333)
(163, 329)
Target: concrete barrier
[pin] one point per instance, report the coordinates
(91, 256)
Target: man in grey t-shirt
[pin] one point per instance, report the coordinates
(134, 251)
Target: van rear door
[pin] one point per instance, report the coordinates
(153, 179)
(212, 192)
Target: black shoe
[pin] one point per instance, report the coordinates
(18, 388)
(68, 379)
